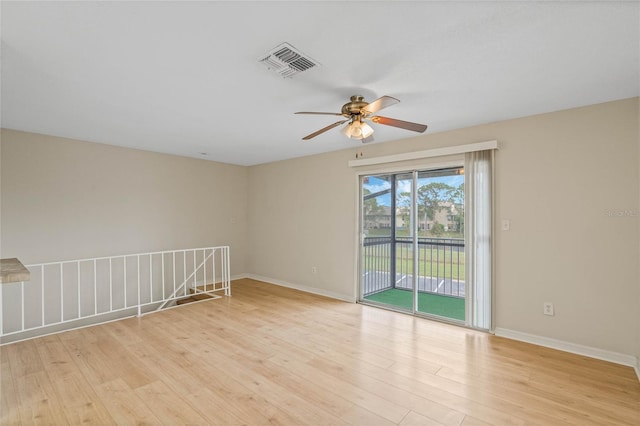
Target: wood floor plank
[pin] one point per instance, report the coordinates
(207, 405)
(23, 358)
(571, 400)
(124, 405)
(79, 402)
(362, 397)
(256, 376)
(10, 404)
(415, 419)
(180, 373)
(167, 405)
(41, 401)
(196, 368)
(270, 355)
(486, 402)
(471, 421)
(368, 379)
(57, 361)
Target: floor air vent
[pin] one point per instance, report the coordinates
(287, 60)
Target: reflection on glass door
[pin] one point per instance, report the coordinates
(413, 252)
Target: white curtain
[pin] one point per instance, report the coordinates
(478, 235)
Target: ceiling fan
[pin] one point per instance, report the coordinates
(357, 111)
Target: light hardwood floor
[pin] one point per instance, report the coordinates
(270, 355)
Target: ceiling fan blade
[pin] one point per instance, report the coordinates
(324, 129)
(416, 127)
(318, 113)
(378, 104)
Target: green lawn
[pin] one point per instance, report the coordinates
(432, 262)
(444, 306)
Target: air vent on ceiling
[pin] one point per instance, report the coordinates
(287, 60)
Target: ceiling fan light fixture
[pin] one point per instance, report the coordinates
(366, 130)
(357, 130)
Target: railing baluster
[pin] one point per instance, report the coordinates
(150, 278)
(213, 269)
(184, 270)
(377, 266)
(228, 251)
(374, 266)
(224, 270)
(95, 287)
(79, 292)
(174, 272)
(163, 296)
(42, 285)
(139, 305)
(61, 294)
(22, 295)
(451, 268)
(434, 280)
(195, 275)
(110, 285)
(458, 271)
(124, 284)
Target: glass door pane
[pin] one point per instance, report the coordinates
(401, 290)
(441, 251)
(387, 257)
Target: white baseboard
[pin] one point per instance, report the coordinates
(239, 277)
(574, 348)
(304, 288)
(637, 367)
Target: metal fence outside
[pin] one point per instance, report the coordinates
(388, 263)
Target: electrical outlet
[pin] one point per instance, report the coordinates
(314, 270)
(548, 308)
(506, 224)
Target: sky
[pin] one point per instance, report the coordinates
(376, 184)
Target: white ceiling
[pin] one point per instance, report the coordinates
(183, 77)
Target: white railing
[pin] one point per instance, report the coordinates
(72, 293)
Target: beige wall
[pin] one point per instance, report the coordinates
(65, 199)
(582, 163)
(576, 163)
(302, 214)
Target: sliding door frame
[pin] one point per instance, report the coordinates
(414, 169)
(359, 219)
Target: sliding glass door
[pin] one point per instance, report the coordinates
(413, 246)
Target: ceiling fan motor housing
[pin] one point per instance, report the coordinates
(355, 106)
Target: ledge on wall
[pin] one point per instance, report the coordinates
(429, 153)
